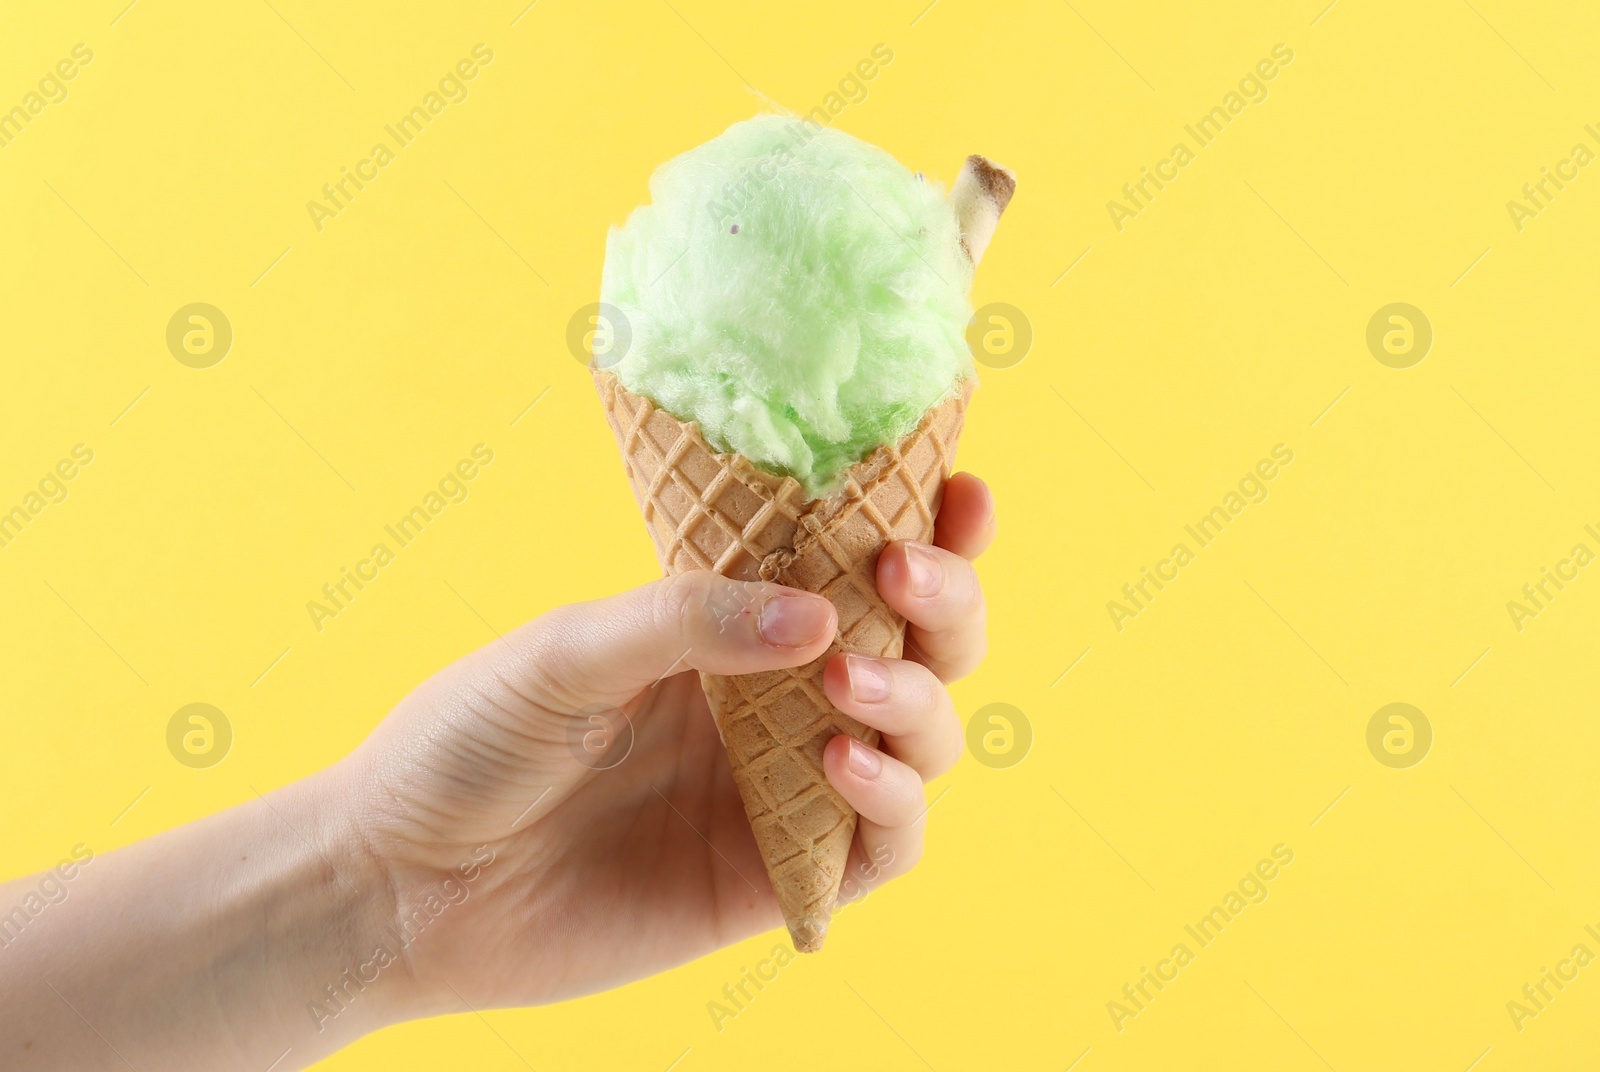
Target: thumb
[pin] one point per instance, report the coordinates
(611, 648)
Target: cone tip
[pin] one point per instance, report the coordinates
(806, 936)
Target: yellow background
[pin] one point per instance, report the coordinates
(1221, 321)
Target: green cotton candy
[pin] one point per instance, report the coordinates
(795, 291)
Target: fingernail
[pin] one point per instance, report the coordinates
(869, 680)
(793, 621)
(926, 576)
(863, 762)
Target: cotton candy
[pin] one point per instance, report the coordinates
(795, 291)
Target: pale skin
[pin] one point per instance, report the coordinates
(222, 945)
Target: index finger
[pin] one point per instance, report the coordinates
(966, 523)
(937, 592)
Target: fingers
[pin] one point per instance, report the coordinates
(939, 594)
(609, 649)
(887, 794)
(879, 853)
(966, 524)
(936, 588)
(922, 739)
(904, 701)
(878, 786)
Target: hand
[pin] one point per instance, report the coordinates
(524, 875)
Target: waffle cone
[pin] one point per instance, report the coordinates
(719, 512)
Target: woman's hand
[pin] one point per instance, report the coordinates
(529, 865)
(477, 849)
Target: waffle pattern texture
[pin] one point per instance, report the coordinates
(719, 512)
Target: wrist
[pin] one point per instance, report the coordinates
(433, 863)
(214, 945)
(345, 985)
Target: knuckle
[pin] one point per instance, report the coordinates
(886, 859)
(907, 856)
(906, 811)
(680, 600)
(546, 666)
(963, 658)
(960, 605)
(929, 692)
(942, 746)
(972, 602)
(977, 651)
(949, 751)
